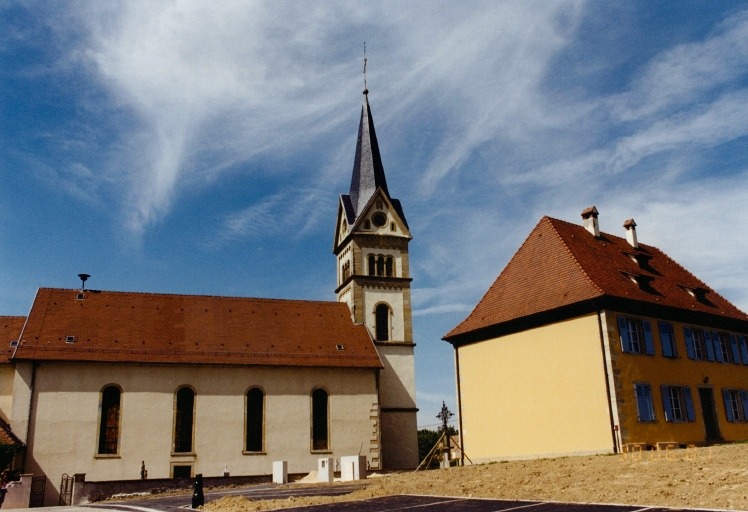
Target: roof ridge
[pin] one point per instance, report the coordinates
(195, 295)
(569, 251)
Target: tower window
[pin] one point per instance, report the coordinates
(388, 266)
(372, 265)
(382, 318)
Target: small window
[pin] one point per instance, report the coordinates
(70, 339)
(372, 265)
(109, 420)
(320, 420)
(255, 420)
(699, 344)
(181, 471)
(678, 404)
(636, 335)
(736, 404)
(644, 405)
(184, 420)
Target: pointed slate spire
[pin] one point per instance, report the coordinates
(368, 172)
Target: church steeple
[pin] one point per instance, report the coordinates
(373, 279)
(368, 171)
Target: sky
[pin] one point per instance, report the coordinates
(200, 147)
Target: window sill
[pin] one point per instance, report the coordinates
(321, 452)
(254, 453)
(184, 454)
(107, 456)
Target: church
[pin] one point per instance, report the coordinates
(104, 382)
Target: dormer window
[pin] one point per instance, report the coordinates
(643, 282)
(697, 293)
(639, 258)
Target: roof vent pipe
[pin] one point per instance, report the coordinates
(630, 227)
(589, 221)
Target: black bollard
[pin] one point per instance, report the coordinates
(198, 500)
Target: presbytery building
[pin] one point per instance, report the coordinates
(103, 382)
(591, 343)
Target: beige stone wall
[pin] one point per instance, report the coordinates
(536, 393)
(66, 403)
(6, 391)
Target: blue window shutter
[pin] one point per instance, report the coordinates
(721, 357)
(728, 408)
(744, 399)
(624, 332)
(709, 345)
(689, 404)
(735, 349)
(664, 390)
(648, 341)
(688, 334)
(666, 339)
(743, 349)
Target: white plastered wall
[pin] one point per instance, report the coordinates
(65, 417)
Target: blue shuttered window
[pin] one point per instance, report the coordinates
(644, 405)
(709, 346)
(736, 404)
(636, 335)
(678, 403)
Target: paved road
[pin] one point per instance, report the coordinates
(255, 492)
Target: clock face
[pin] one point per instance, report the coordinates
(379, 219)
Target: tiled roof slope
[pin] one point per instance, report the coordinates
(160, 328)
(7, 436)
(10, 330)
(561, 264)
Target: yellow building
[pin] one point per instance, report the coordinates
(590, 343)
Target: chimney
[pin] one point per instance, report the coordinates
(630, 227)
(589, 221)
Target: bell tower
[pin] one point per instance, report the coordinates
(373, 278)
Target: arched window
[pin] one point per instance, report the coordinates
(372, 265)
(382, 317)
(183, 421)
(388, 266)
(109, 421)
(320, 420)
(380, 265)
(255, 419)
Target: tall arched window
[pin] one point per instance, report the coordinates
(109, 421)
(382, 318)
(255, 419)
(183, 421)
(372, 265)
(320, 420)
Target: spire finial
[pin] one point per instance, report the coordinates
(366, 89)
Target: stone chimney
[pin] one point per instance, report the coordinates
(630, 227)
(589, 221)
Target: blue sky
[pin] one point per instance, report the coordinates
(201, 147)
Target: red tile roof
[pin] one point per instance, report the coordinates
(10, 330)
(159, 328)
(7, 436)
(562, 264)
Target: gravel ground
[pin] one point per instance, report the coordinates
(711, 477)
